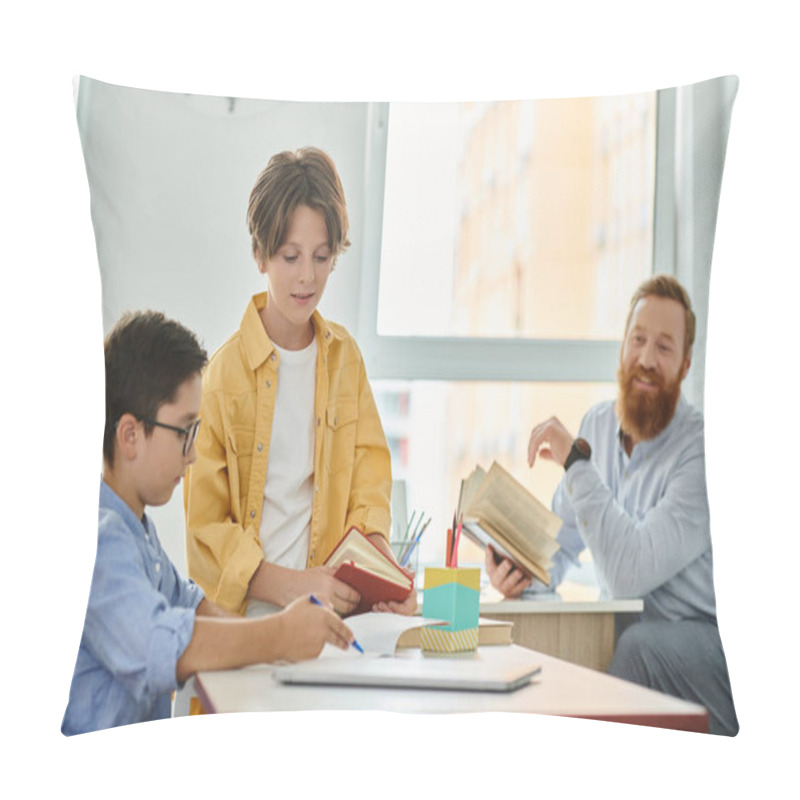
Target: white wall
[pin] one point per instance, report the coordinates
(172, 174)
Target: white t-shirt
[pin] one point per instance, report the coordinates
(289, 489)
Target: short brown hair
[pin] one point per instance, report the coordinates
(666, 286)
(148, 357)
(304, 177)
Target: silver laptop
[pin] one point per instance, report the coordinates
(491, 669)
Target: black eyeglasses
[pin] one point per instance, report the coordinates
(189, 434)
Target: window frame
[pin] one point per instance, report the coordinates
(494, 359)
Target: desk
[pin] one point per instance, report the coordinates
(561, 689)
(579, 631)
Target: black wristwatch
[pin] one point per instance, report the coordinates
(581, 451)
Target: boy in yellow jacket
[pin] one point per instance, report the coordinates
(292, 452)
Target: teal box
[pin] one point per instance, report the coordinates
(454, 595)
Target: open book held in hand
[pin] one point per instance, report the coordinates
(362, 565)
(500, 511)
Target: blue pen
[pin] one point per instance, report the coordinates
(355, 643)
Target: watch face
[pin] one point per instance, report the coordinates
(583, 447)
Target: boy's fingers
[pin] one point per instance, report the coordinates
(339, 634)
(346, 593)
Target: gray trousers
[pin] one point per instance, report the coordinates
(684, 659)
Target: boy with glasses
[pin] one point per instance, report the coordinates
(148, 629)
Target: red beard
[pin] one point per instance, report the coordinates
(643, 415)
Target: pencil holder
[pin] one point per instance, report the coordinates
(454, 595)
(400, 548)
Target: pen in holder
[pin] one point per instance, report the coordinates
(406, 546)
(452, 594)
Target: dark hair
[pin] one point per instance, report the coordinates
(147, 358)
(668, 287)
(304, 177)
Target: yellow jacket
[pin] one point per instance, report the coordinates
(224, 489)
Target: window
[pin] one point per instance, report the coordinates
(529, 219)
(510, 237)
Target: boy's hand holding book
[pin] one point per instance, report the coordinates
(320, 581)
(281, 585)
(407, 607)
(370, 569)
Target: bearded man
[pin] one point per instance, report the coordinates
(634, 492)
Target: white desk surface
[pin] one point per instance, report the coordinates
(547, 604)
(571, 598)
(560, 689)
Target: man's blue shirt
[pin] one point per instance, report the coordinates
(644, 517)
(139, 621)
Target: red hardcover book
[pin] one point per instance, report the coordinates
(362, 565)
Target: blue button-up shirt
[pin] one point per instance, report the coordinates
(644, 517)
(139, 621)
